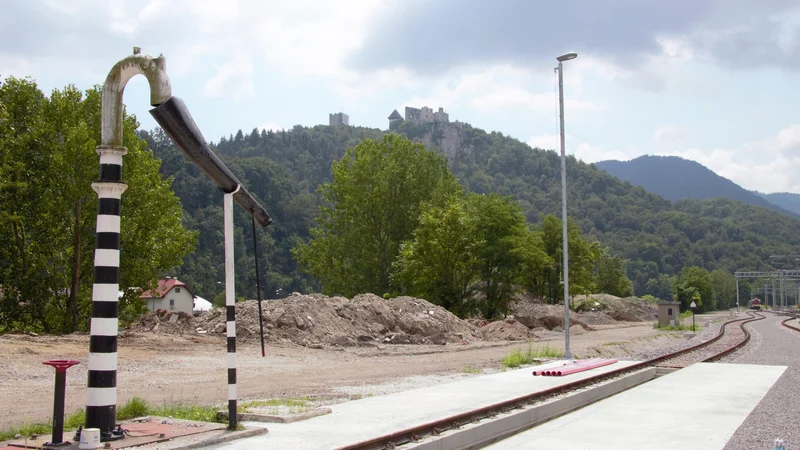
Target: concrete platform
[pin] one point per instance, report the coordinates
(699, 407)
(359, 420)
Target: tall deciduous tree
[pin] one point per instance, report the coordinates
(501, 228)
(48, 209)
(723, 284)
(611, 277)
(440, 263)
(374, 204)
(694, 284)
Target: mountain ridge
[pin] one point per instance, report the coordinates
(675, 178)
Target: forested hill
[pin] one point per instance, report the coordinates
(676, 178)
(283, 170)
(785, 200)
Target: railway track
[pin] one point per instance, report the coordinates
(732, 336)
(792, 327)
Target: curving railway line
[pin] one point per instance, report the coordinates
(731, 337)
(791, 327)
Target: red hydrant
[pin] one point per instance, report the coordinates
(61, 366)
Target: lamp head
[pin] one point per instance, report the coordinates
(567, 56)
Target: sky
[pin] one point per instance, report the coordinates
(714, 81)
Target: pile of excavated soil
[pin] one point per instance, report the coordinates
(539, 315)
(316, 320)
(505, 330)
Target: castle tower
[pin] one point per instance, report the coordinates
(394, 118)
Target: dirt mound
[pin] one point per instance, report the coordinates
(505, 330)
(537, 315)
(315, 320)
(163, 321)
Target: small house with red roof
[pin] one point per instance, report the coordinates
(172, 295)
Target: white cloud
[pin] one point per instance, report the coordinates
(271, 126)
(233, 79)
(767, 165)
(670, 133)
(494, 89)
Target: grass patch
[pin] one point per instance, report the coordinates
(470, 369)
(686, 314)
(135, 407)
(520, 356)
(273, 406)
(680, 327)
(25, 430)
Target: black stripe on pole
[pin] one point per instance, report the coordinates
(102, 417)
(230, 313)
(102, 378)
(108, 206)
(106, 275)
(102, 344)
(231, 345)
(110, 172)
(105, 310)
(108, 240)
(231, 376)
(258, 289)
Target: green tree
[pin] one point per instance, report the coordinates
(611, 277)
(440, 263)
(582, 256)
(48, 210)
(373, 205)
(503, 234)
(723, 285)
(694, 284)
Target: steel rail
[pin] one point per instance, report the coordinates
(790, 326)
(437, 427)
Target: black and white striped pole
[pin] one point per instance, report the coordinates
(101, 392)
(230, 308)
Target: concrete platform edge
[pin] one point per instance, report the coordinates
(483, 434)
(231, 436)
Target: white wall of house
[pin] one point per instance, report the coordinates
(177, 299)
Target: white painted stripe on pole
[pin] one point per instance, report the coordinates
(231, 392)
(104, 327)
(231, 360)
(111, 157)
(107, 223)
(101, 396)
(106, 257)
(103, 292)
(232, 329)
(109, 189)
(102, 361)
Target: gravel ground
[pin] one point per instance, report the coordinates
(710, 329)
(778, 413)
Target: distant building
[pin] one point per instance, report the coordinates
(172, 295)
(394, 117)
(426, 114)
(338, 119)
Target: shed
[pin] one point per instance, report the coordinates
(669, 313)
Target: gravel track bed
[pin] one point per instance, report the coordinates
(733, 335)
(778, 413)
(709, 331)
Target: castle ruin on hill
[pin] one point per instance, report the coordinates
(422, 115)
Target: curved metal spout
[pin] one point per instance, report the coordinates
(155, 69)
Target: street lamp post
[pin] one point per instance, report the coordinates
(561, 59)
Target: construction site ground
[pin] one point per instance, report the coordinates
(190, 368)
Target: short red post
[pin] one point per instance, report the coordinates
(61, 366)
